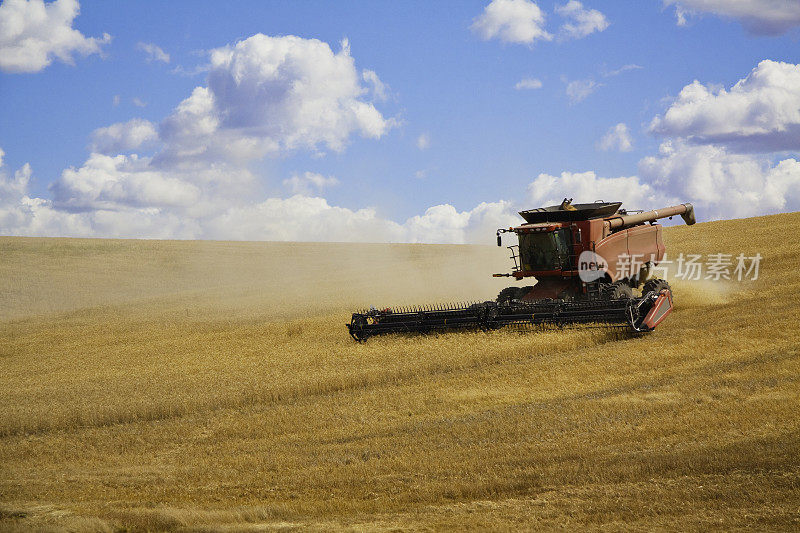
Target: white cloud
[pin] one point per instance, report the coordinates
(190, 71)
(121, 182)
(704, 163)
(620, 70)
(616, 138)
(116, 100)
(106, 198)
(528, 83)
(33, 33)
(15, 212)
(154, 52)
(587, 187)
(445, 224)
(309, 182)
(760, 113)
(21, 214)
(265, 97)
(713, 127)
(761, 17)
(722, 184)
(423, 141)
(302, 218)
(271, 95)
(579, 90)
(380, 91)
(582, 22)
(511, 21)
(12, 189)
(106, 182)
(138, 102)
(305, 218)
(124, 136)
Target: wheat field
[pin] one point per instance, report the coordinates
(199, 386)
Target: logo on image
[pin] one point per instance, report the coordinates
(591, 266)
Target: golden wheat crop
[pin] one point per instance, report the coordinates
(154, 385)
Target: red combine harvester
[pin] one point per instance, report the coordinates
(587, 260)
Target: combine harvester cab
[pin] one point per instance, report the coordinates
(587, 260)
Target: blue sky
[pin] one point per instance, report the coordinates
(456, 132)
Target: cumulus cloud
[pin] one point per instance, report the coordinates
(102, 204)
(23, 215)
(111, 197)
(761, 17)
(586, 187)
(33, 34)
(380, 90)
(15, 211)
(301, 218)
(581, 21)
(760, 113)
(304, 218)
(579, 90)
(720, 184)
(423, 141)
(271, 95)
(199, 185)
(124, 136)
(265, 97)
(718, 156)
(115, 182)
(616, 138)
(153, 52)
(511, 21)
(528, 83)
(445, 224)
(309, 182)
(13, 194)
(120, 182)
(724, 184)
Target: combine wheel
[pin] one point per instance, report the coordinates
(641, 277)
(655, 285)
(618, 291)
(522, 291)
(506, 295)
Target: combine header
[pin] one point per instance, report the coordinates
(587, 260)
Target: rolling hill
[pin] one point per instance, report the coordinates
(179, 385)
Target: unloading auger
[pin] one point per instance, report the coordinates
(587, 260)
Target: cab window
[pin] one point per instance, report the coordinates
(545, 251)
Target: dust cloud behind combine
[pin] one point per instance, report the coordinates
(44, 276)
(152, 385)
